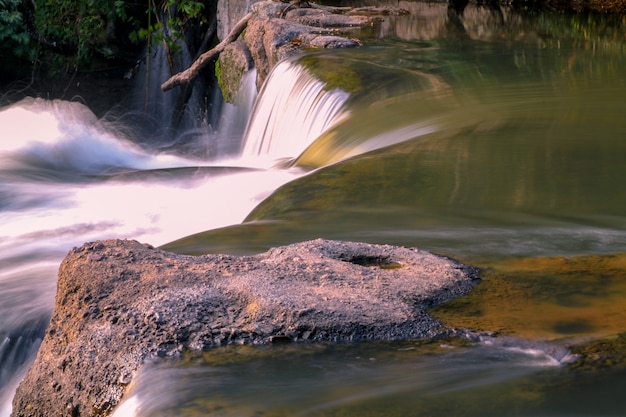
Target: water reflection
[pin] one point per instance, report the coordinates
(526, 162)
(316, 380)
(476, 132)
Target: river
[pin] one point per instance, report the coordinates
(492, 135)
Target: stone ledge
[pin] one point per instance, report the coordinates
(278, 31)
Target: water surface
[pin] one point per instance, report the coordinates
(490, 135)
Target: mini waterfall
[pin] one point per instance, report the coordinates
(163, 115)
(99, 185)
(233, 117)
(293, 109)
(180, 116)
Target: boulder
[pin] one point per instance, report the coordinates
(278, 31)
(272, 40)
(120, 303)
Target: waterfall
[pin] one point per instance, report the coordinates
(233, 117)
(99, 184)
(168, 118)
(292, 110)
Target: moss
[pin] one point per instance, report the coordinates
(334, 76)
(229, 78)
(232, 64)
(220, 81)
(601, 354)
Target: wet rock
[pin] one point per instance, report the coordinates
(233, 62)
(325, 19)
(312, 291)
(278, 31)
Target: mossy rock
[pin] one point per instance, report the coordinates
(601, 354)
(233, 63)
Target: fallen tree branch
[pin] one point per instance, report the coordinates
(188, 75)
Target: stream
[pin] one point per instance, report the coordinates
(491, 135)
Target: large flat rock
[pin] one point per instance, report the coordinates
(120, 303)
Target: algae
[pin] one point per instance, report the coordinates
(546, 297)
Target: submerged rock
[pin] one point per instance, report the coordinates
(120, 303)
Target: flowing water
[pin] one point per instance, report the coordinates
(486, 134)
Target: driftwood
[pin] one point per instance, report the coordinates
(188, 76)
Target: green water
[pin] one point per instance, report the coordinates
(500, 142)
(465, 149)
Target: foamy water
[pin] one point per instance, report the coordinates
(68, 177)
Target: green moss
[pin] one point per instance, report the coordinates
(601, 354)
(220, 80)
(229, 73)
(333, 74)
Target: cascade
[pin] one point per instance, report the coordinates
(232, 118)
(157, 112)
(83, 161)
(293, 109)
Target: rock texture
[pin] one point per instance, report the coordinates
(120, 303)
(236, 59)
(278, 30)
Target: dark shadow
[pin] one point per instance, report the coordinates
(454, 24)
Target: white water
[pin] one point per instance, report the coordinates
(320, 382)
(285, 119)
(100, 203)
(67, 178)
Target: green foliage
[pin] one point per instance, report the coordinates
(76, 29)
(168, 22)
(13, 34)
(70, 33)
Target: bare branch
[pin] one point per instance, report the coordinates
(187, 76)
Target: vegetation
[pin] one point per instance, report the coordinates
(168, 21)
(69, 35)
(13, 34)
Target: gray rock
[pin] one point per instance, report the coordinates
(228, 14)
(272, 40)
(120, 303)
(278, 31)
(326, 19)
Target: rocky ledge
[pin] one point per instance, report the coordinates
(278, 30)
(120, 303)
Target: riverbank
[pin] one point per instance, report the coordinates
(108, 83)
